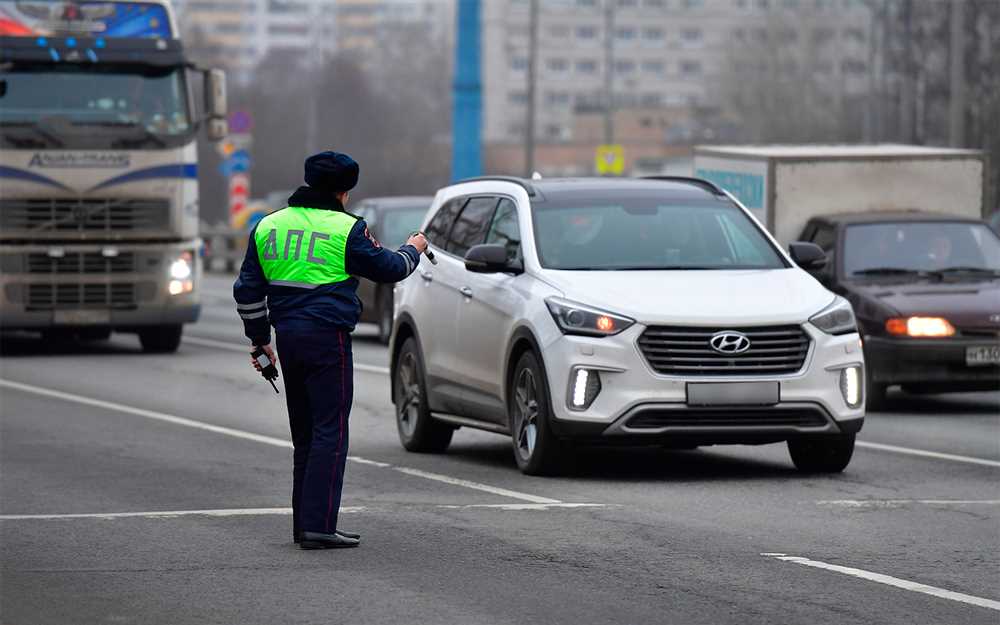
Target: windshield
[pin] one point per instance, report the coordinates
(871, 249)
(70, 106)
(396, 224)
(646, 232)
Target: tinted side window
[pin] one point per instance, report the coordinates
(440, 225)
(505, 231)
(471, 226)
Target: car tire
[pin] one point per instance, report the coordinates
(418, 430)
(161, 339)
(384, 320)
(537, 450)
(822, 454)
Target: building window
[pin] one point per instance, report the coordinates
(625, 33)
(517, 97)
(554, 131)
(853, 66)
(652, 67)
(587, 4)
(628, 4)
(691, 35)
(693, 4)
(557, 98)
(586, 66)
(655, 4)
(691, 68)
(557, 65)
(652, 35)
(519, 63)
(586, 32)
(624, 67)
(854, 34)
(651, 100)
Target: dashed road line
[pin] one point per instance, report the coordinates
(893, 503)
(890, 581)
(924, 453)
(267, 440)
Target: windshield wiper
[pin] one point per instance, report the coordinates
(969, 269)
(37, 128)
(889, 271)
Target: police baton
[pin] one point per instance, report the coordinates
(427, 250)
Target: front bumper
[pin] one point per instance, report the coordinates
(929, 361)
(120, 299)
(636, 403)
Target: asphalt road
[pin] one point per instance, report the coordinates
(154, 489)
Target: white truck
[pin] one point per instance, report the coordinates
(98, 169)
(785, 185)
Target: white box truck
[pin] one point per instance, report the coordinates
(785, 185)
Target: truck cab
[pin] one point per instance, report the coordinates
(99, 210)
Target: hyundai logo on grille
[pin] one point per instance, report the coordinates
(729, 342)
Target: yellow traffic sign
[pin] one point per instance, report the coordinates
(610, 160)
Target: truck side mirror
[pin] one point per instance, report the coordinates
(215, 104)
(808, 256)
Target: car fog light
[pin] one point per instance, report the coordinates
(584, 386)
(850, 386)
(176, 287)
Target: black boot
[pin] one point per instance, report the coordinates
(318, 540)
(297, 535)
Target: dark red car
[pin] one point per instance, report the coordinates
(926, 292)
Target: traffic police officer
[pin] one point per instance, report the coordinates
(300, 274)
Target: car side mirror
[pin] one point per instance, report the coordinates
(489, 258)
(808, 256)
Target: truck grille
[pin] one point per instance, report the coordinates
(51, 296)
(76, 263)
(652, 418)
(684, 350)
(83, 215)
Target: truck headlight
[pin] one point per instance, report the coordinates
(181, 271)
(850, 385)
(837, 318)
(573, 318)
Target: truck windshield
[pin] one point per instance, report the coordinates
(918, 247)
(87, 106)
(634, 233)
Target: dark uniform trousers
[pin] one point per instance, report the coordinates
(318, 369)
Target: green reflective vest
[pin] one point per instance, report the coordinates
(303, 247)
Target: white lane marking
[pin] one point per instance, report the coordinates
(929, 454)
(267, 440)
(503, 492)
(889, 503)
(526, 506)
(245, 349)
(159, 514)
(890, 581)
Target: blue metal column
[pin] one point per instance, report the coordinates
(467, 110)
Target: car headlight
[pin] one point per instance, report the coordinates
(573, 318)
(837, 318)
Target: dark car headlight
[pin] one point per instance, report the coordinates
(837, 318)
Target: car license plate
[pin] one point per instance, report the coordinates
(82, 317)
(732, 393)
(982, 355)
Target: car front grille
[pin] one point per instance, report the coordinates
(97, 295)
(685, 350)
(67, 215)
(654, 418)
(80, 263)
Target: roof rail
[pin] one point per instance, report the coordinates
(709, 186)
(525, 184)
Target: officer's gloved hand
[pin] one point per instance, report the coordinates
(418, 241)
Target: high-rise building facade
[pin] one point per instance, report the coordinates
(661, 55)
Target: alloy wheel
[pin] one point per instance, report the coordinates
(407, 394)
(526, 413)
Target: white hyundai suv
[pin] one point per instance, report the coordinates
(620, 311)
